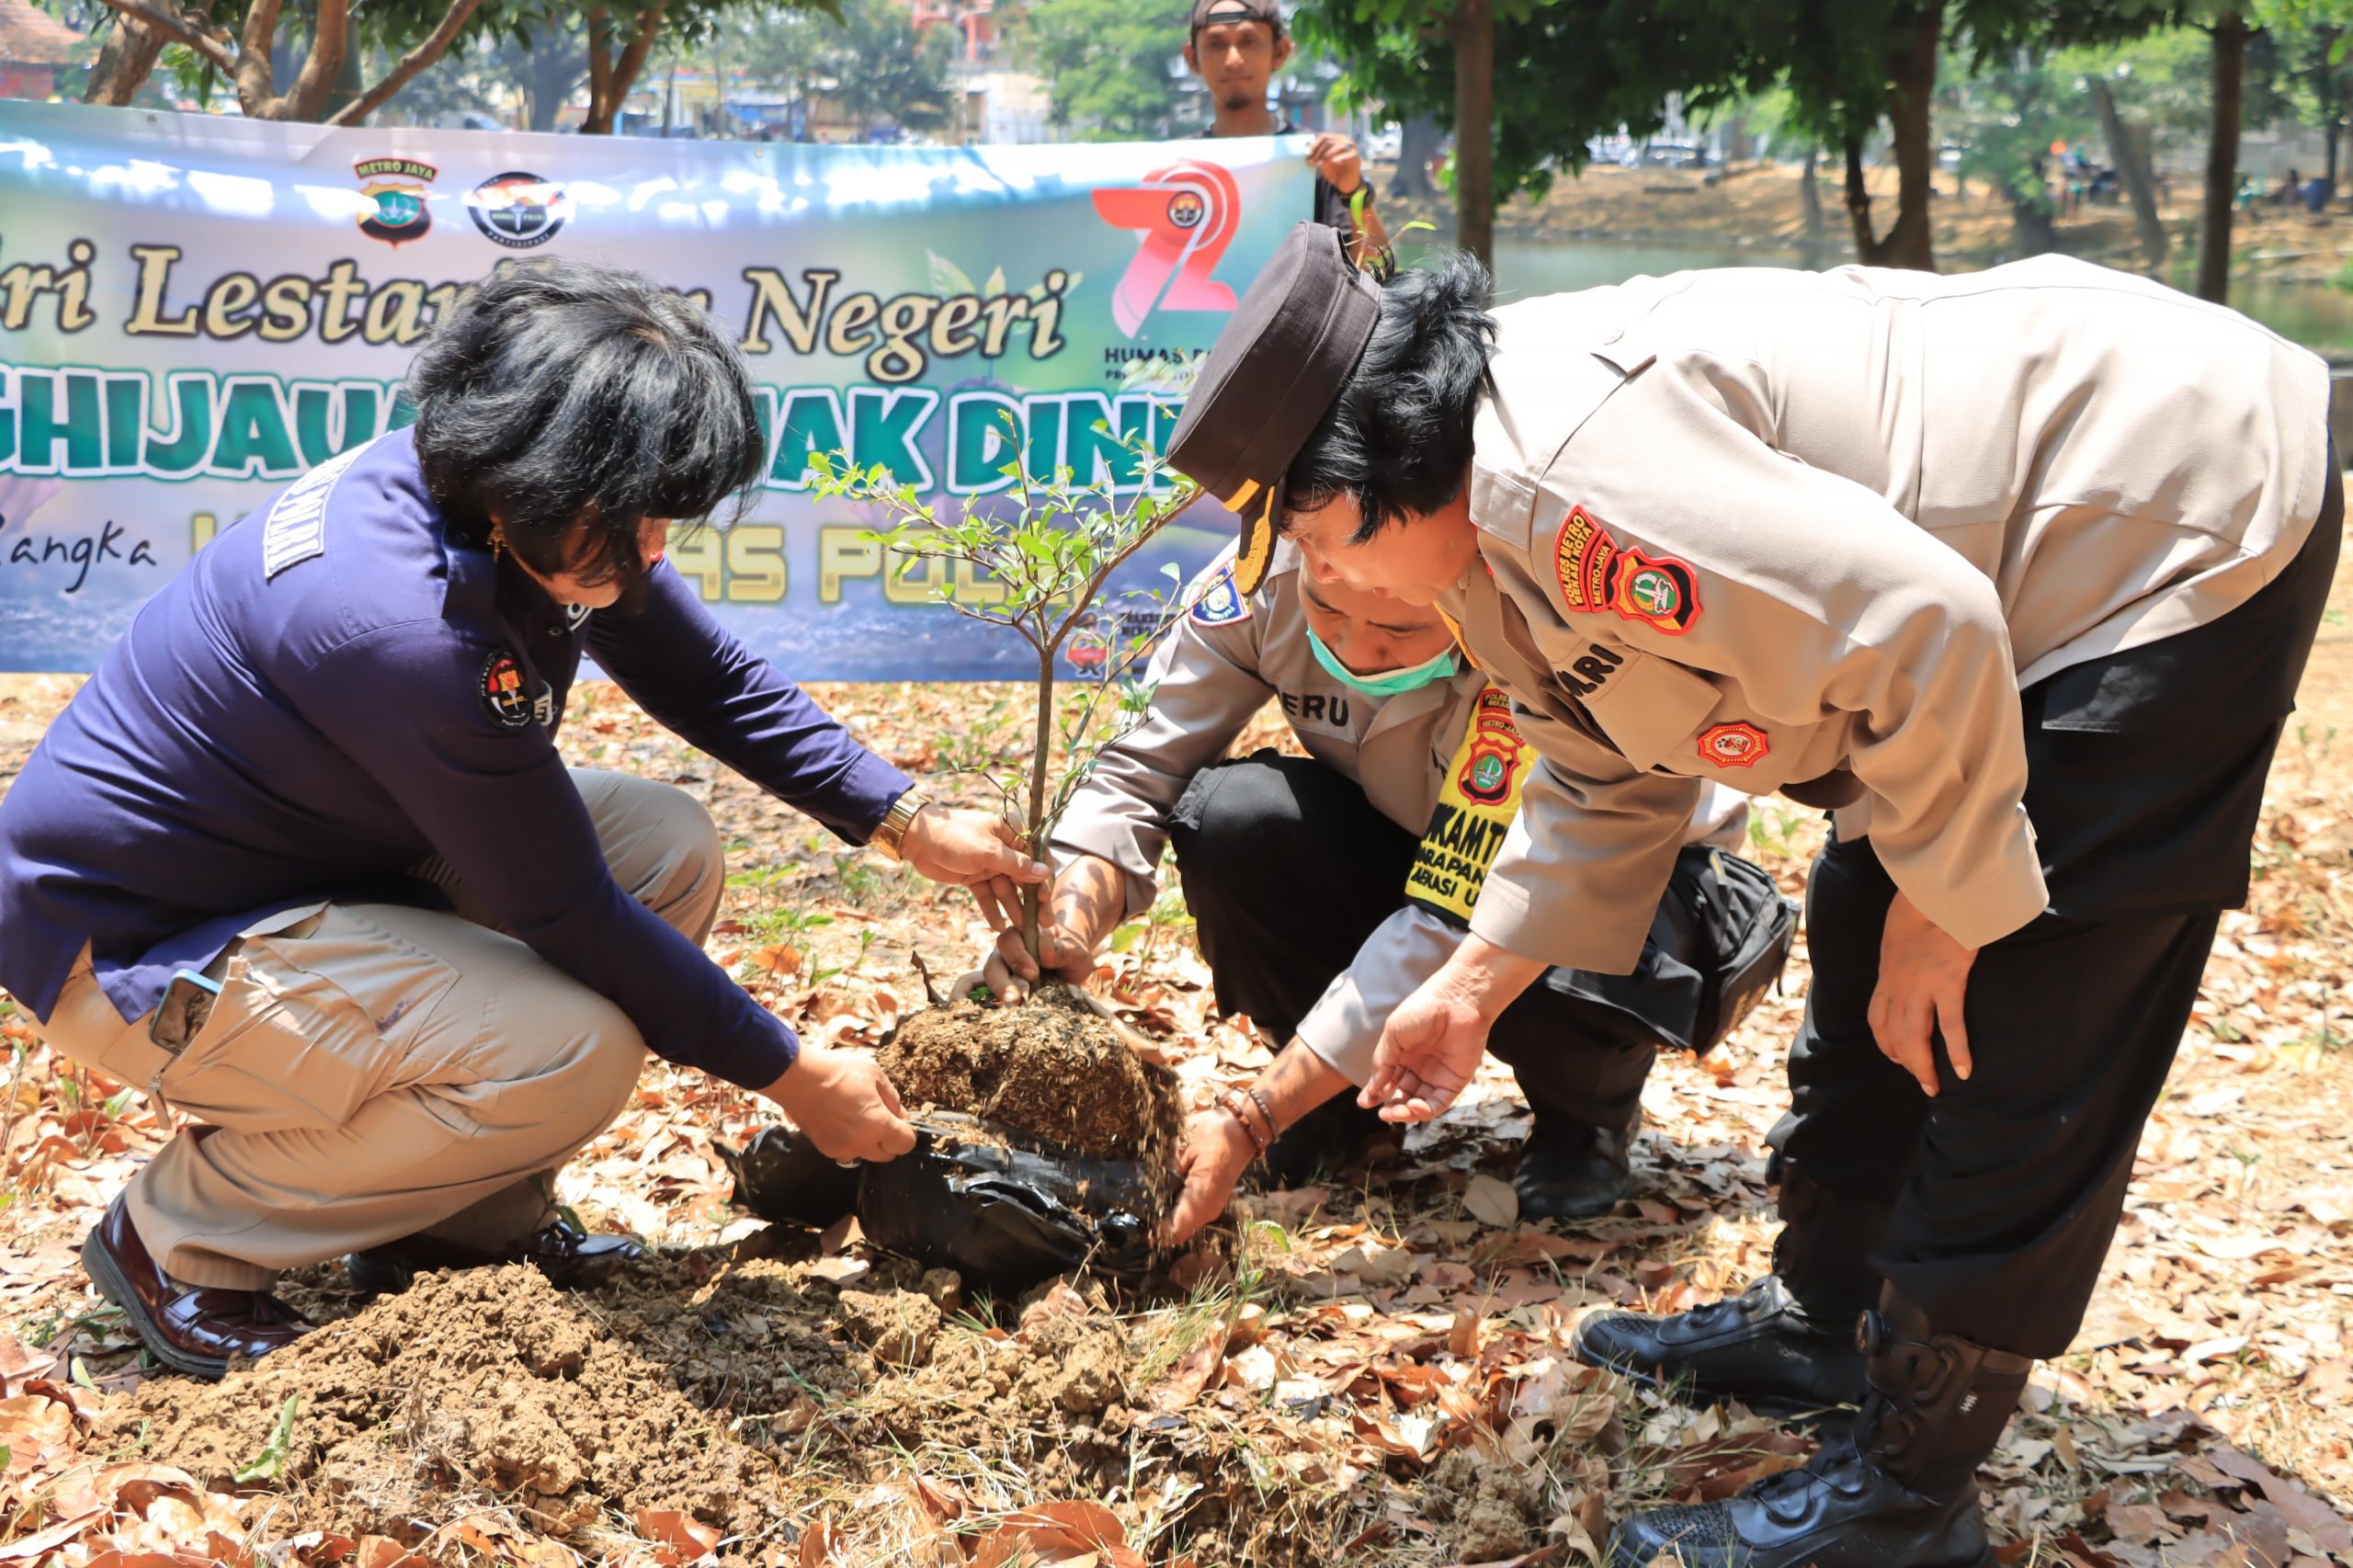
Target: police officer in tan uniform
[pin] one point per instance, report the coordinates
(1377, 836)
(2016, 574)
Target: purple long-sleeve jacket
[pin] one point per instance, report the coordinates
(336, 690)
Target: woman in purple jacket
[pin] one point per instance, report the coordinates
(303, 859)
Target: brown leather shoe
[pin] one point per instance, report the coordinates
(570, 1258)
(192, 1328)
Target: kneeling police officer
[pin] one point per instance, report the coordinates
(301, 859)
(1326, 887)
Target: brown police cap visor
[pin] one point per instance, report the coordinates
(1279, 365)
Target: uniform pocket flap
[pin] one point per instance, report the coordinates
(1651, 709)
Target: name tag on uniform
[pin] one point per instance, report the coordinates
(296, 528)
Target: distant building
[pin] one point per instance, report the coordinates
(39, 56)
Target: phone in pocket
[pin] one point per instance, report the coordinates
(187, 1004)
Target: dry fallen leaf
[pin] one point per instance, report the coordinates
(1491, 1202)
(691, 1537)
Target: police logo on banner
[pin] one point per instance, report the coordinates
(517, 209)
(397, 208)
(1221, 602)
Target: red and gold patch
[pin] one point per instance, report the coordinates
(1657, 591)
(1734, 745)
(1582, 554)
(502, 692)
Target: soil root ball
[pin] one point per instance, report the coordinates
(1050, 1069)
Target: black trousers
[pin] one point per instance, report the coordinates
(1991, 1206)
(1289, 867)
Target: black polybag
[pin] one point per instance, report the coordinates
(1009, 1218)
(780, 1175)
(1003, 1218)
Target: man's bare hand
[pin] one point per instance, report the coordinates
(1011, 973)
(845, 1104)
(1212, 1155)
(1335, 159)
(973, 849)
(1922, 984)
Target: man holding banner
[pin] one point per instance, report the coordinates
(302, 859)
(1235, 46)
(1321, 902)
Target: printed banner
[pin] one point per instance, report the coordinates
(195, 310)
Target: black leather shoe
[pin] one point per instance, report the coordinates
(188, 1328)
(571, 1258)
(1573, 1171)
(1758, 1348)
(1840, 1511)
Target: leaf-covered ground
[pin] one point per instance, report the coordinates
(1371, 1371)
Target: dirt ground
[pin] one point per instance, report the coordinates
(1372, 1371)
(1762, 205)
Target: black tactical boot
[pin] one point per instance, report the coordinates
(1760, 1347)
(1571, 1170)
(1899, 1490)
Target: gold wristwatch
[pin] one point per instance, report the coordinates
(893, 830)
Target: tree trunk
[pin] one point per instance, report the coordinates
(1809, 195)
(1858, 204)
(2131, 154)
(1474, 138)
(2030, 219)
(128, 56)
(2325, 90)
(1911, 75)
(548, 81)
(613, 71)
(1418, 140)
(2222, 159)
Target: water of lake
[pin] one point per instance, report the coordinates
(2313, 313)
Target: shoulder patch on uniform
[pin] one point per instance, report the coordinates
(1659, 591)
(1219, 603)
(1734, 745)
(1583, 553)
(296, 528)
(503, 697)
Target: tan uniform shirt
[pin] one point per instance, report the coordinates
(1216, 670)
(1813, 532)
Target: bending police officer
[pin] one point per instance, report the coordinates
(2016, 572)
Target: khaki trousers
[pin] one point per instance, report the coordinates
(372, 1071)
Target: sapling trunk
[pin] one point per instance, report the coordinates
(1040, 760)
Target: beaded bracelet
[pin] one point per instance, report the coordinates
(1231, 1104)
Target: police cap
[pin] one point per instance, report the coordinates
(1277, 368)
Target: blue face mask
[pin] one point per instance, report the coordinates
(1395, 683)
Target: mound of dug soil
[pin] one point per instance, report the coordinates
(749, 1393)
(491, 1383)
(1050, 1069)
